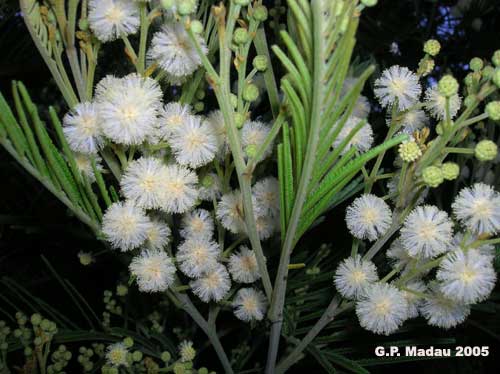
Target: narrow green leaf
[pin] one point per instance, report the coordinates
(12, 128)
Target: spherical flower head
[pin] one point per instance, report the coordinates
(194, 144)
(215, 121)
(496, 77)
(362, 140)
(174, 52)
(267, 196)
(85, 258)
(448, 86)
(426, 66)
(260, 63)
(128, 108)
(266, 225)
(496, 58)
(82, 129)
(432, 47)
(260, 13)
(250, 92)
(478, 209)
(250, 305)
(84, 165)
(198, 223)
(466, 276)
(493, 110)
(409, 151)
(240, 35)
(125, 225)
(413, 299)
(112, 19)
(253, 134)
(486, 150)
(143, 182)
(442, 312)
(158, 235)
(353, 276)
(197, 255)
(172, 116)
(382, 309)
(186, 351)
(243, 266)
(476, 64)
(154, 271)
(116, 355)
(432, 176)
(427, 232)
(368, 217)
(435, 103)
(230, 212)
(412, 120)
(213, 285)
(397, 84)
(450, 171)
(179, 189)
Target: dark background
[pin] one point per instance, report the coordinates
(34, 223)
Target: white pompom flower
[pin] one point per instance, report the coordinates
(466, 276)
(368, 217)
(230, 212)
(435, 103)
(478, 209)
(213, 285)
(179, 189)
(216, 122)
(442, 312)
(112, 19)
(174, 52)
(267, 196)
(362, 140)
(427, 232)
(413, 293)
(250, 305)
(143, 182)
(128, 108)
(398, 84)
(125, 225)
(116, 354)
(413, 120)
(266, 226)
(353, 276)
(158, 235)
(84, 164)
(382, 309)
(82, 129)
(243, 266)
(194, 144)
(253, 134)
(210, 187)
(197, 255)
(154, 271)
(171, 118)
(198, 223)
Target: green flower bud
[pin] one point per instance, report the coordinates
(199, 106)
(470, 100)
(369, 3)
(488, 71)
(128, 341)
(36, 319)
(196, 26)
(167, 4)
(234, 100)
(28, 351)
(83, 24)
(37, 341)
(200, 94)
(469, 79)
(202, 371)
(179, 369)
(250, 92)
(186, 7)
(476, 64)
(239, 119)
(251, 150)
(45, 324)
(426, 66)
(496, 58)
(240, 35)
(496, 77)
(137, 356)
(166, 356)
(485, 150)
(432, 47)
(493, 110)
(432, 176)
(242, 2)
(450, 170)
(67, 355)
(448, 86)
(409, 151)
(121, 290)
(260, 63)
(260, 13)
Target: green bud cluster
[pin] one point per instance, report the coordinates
(496, 58)
(496, 77)
(111, 304)
(84, 359)
(448, 86)
(432, 47)
(260, 13)
(450, 170)
(493, 110)
(409, 151)
(486, 150)
(250, 92)
(476, 64)
(260, 63)
(241, 36)
(60, 359)
(432, 176)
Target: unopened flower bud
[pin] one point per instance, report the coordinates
(128, 341)
(83, 24)
(196, 26)
(476, 64)
(167, 4)
(409, 151)
(166, 356)
(448, 86)
(186, 7)
(251, 150)
(260, 13)
(260, 63)
(239, 120)
(432, 176)
(488, 71)
(369, 3)
(137, 356)
(240, 35)
(432, 47)
(199, 106)
(36, 319)
(496, 77)
(450, 170)
(485, 150)
(250, 92)
(493, 110)
(496, 58)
